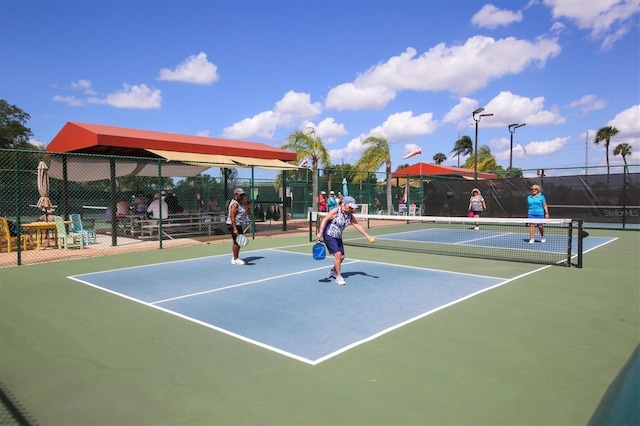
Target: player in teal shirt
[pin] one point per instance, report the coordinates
(537, 210)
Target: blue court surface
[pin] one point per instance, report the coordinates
(287, 303)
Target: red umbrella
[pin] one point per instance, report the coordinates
(44, 203)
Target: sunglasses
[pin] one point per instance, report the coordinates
(534, 189)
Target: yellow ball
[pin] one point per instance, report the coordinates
(372, 240)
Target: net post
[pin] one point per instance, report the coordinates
(580, 230)
(569, 242)
(310, 227)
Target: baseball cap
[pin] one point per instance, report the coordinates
(322, 192)
(351, 202)
(332, 193)
(238, 191)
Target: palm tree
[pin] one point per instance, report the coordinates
(605, 134)
(463, 146)
(308, 145)
(623, 149)
(376, 154)
(439, 158)
(486, 161)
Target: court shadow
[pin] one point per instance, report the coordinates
(328, 279)
(250, 259)
(350, 274)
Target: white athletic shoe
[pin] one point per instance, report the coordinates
(237, 261)
(476, 228)
(333, 273)
(233, 261)
(531, 241)
(543, 240)
(340, 280)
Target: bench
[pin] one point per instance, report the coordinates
(181, 225)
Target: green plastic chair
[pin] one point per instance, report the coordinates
(68, 239)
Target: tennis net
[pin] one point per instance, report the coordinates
(487, 238)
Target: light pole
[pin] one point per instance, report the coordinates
(512, 130)
(476, 117)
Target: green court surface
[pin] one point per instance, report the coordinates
(542, 349)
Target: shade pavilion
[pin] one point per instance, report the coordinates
(112, 152)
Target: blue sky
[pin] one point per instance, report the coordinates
(411, 71)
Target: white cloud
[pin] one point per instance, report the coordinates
(509, 108)
(460, 113)
(350, 153)
(491, 17)
(541, 148)
(459, 69)
(134, 97)
(404, 125)
(37, 143)
(588, 103)
(196, 69)
(294, 107)
(628, 123)
(349, 96)
(69, 100)
(84, 85)
(608, 20)
(328, 130)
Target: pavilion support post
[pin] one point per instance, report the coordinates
(113, 199)
(284, 200)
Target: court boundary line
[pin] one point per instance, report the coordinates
(346, 348)
(425, 314)
(200, 293)
(154, 305)
(196, 321)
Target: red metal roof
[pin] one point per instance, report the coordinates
(101, 139)
(426, 169)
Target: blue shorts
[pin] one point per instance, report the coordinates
(334, 245)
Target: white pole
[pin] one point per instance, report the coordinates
(586, 153)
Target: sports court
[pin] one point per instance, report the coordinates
(181, 336)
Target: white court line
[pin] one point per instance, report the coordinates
(425, 314)
(246, 283)
(488, 237)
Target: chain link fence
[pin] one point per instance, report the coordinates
(111, 195)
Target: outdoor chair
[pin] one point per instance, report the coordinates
(68, 239)
(77, 225)
(10, 241)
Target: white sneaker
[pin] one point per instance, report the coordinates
(340, 280)
(333, 273)
(531, 241)
(476, 228)
(543, 240)
(239, 261)
(233, 261)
